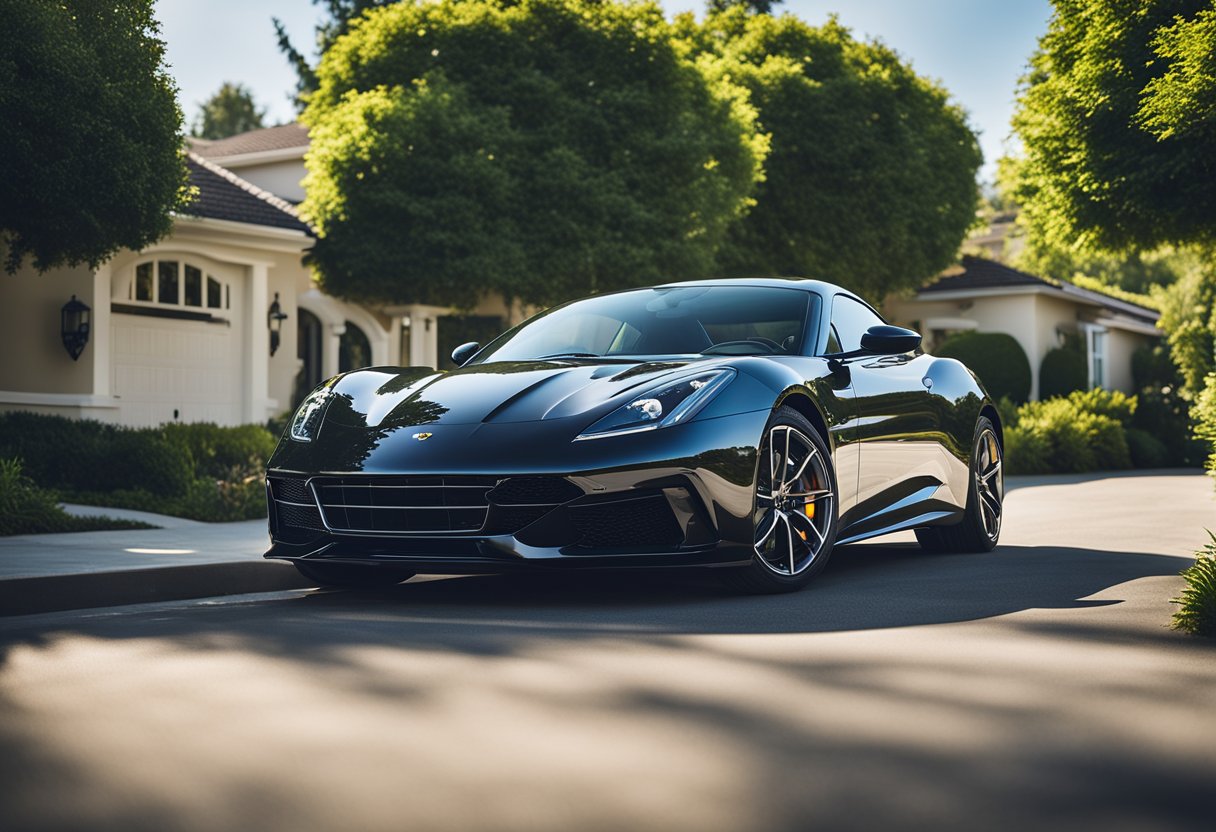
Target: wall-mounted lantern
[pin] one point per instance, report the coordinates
(74, 320)
(274, 322)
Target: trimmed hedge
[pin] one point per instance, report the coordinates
(1063, 371)
(997, 358)
(201, 471)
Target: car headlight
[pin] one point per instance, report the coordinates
(307, 419)
(661, 407)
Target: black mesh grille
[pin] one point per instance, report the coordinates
(404, 505)
(548, 491)
(303, 517)
(293, 491)
(630, 524)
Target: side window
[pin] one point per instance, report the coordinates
(851, 319)
(833, 341)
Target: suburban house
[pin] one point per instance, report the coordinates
(219, 321)
(987, 296)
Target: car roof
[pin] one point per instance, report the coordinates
(805, 283)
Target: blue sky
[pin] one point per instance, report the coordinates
(977, 48)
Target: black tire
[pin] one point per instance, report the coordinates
(980, 528)
(353, 576)
(761, 576)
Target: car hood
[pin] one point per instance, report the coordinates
(500, 392)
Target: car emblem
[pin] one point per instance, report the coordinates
(422, 437)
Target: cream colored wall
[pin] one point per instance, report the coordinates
(1119, 348)
(280, 178)
(32, 356)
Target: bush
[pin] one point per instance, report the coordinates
(218, 451)
(201, 471)
(1204, 414)
(997, 358)
(1112, 403)
(1063, 370)
(27, 509)
(84, 455)
(1146, 450)
(1059, 436)
(1197, 604)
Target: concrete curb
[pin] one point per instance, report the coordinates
(53, 593)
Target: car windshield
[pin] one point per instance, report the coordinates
(677, 320)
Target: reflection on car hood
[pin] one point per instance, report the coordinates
(514, 391)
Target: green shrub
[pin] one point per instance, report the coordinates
(1113, 403)
(201, 471)
(1060, 436)
(1146, 450)
(1197, 604)
(84, 455)
(1008, 411)
(1026, 451)
(997, 358)
(218, 451)
(1063, 370)
(1161, 408)
(1204, 414)
(27, 509)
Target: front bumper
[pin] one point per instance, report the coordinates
(680, 496)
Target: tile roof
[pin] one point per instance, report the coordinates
(281, 137)
(222, 195)
(981, 273)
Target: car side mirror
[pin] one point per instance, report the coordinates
(889, 340)
(462, 354)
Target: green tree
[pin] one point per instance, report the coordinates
(544, 149)
(871, 177)
(751, 6)
(90, 137)
(1119, 127)
(229, 111)
(339, 15)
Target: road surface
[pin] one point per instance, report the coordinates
(1037, 687)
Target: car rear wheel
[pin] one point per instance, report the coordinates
(981, 524)
(795, 507)
(352, 575)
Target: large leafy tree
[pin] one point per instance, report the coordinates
(1119, 126)
(338, 15)
(543, 149)
(90, 136)
(229, 111)
(871, 177)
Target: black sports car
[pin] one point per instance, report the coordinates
(747, 425)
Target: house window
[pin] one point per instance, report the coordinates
(1097, 358)
(177, 283)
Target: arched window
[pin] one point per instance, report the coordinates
(178, 283)
(354, 349)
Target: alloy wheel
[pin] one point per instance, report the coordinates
(989, 483)
(794, 502)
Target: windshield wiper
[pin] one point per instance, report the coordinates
(571, 355)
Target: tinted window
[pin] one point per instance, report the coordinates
(851, 319)
(679, 320)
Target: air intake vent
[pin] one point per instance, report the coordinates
(403, 505)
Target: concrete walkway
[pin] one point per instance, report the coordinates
(163, 521)
(184, 559)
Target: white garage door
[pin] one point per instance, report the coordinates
(167, 369)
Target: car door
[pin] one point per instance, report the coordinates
(900, 455)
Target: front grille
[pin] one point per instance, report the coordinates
(404, 505)
(296, 519)
(643, 523)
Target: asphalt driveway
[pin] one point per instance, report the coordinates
(1035, 687)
